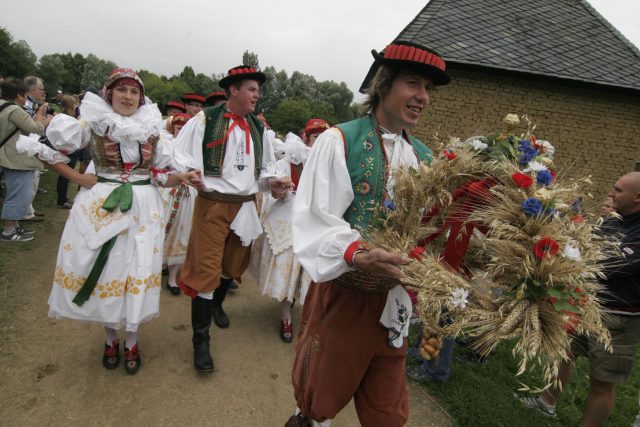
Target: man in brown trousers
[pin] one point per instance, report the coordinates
(230, 147)
(355, 317)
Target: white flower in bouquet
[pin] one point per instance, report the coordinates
(478, 145)
(571, 252)
(459, 298)
(548, 149)
(535, 166)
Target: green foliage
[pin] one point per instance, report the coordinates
(250, 59)
(303, 97)
(480, 396)
(95, 71)
(288, 102)
(18, 60)
(161, 89)
(290, 116)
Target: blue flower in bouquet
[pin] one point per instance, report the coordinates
(550, 212)
(527, 150)
(544, 177)
(388, 204)
(532, 206)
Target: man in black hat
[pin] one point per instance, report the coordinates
(355, 317)
(193, 103)
(230, 147)
(216, 98)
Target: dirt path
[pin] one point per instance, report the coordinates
(51, 371)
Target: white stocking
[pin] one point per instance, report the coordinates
(173, 274)
(112, 335)
(130, 339)
(285, 310)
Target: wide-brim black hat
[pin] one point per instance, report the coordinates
(216, 96)
(242, 72)
(411, 56)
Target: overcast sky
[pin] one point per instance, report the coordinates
(329, 39)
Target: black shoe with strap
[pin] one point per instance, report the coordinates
(111, 356)
(132, 359)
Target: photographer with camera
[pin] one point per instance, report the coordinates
(19, 169)
(36, 99)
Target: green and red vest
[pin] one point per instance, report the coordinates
(107, 157)
(216, 126)
(367, 165)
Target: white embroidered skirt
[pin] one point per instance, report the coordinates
(128, 290)
(273, 264)
(178, 217)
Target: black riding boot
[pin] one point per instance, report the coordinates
(200, 322)
(219, 316)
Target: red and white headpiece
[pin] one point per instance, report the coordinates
(123, 76)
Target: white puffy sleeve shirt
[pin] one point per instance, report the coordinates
(188, 156)
(320, 233)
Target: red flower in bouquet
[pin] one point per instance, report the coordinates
(571, 323)
(416, 253)
(554, 174)
(522, 180)
(577, 219)
(449, 154)
(545, 246)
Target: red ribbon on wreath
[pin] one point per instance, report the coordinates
(471, 195)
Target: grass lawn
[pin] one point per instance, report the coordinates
(478, 395)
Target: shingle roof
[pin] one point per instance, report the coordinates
(559, 38)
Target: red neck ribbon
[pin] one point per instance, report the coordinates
(237, 121)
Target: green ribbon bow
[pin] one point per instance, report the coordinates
(121, 196)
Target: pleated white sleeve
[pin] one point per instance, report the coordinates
(320, 233)
(187, 154)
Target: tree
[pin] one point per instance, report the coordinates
(51, 70)
(95, 72)
(188, 76)
(18, 60)
(290, 115)
(161, 89)
(274, 90)
(250, 59)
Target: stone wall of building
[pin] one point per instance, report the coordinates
(596, 131)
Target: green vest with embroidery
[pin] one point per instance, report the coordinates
(216, 126)
(367, 165)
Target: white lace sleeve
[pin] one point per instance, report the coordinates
(32, 146)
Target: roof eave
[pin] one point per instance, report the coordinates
(507, 70)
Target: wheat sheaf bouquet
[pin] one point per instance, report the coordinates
(501, 246)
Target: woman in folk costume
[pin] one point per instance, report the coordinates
(110, 255)
(178, 202)
(275, 268)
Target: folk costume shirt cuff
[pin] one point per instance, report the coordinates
(246, 224)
